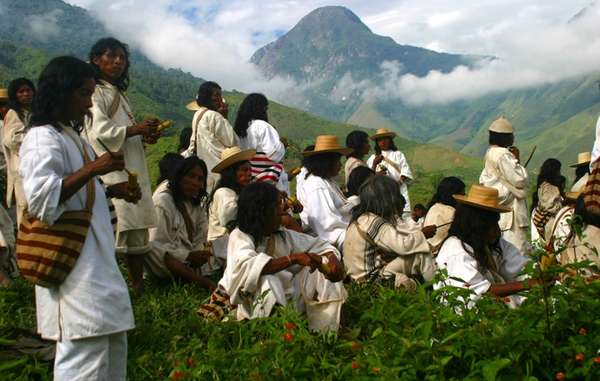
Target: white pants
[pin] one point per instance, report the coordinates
(102, 358)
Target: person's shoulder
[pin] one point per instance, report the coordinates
(452, 247)
(43, 131)
(260, 125)
(225, 193)
(162, 196)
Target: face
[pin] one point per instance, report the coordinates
(25, 95)
(112, 64)
(81, 100)
(217, 98)
(193, 184)
(493, 234)
(365, 148)
(418, 213)
(384, 144)
(3, 109)
(337, 167)
(243, 175)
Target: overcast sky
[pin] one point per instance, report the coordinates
(214, 39)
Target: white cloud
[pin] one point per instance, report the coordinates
(44, 26)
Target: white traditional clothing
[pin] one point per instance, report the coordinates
(326, 211)
(93, 300)
(397, 166)
(586, 248)
(440, 215)
(463, 270)
(222, 210)
(300, 179)
(13, 133)
(596, 148)
(375, 248)
(578, 186)
(267, 163)
(8, 263)
(211, 134)
(550, 201)
(351, 164)
(560, 229)
(504, 172)
(256, 294)
(112, 131)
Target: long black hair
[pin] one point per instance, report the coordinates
(321, 164)
(357, 140)
(448, 187)
(184, 139)
(470, 225)
(257, 204)
(549, 173)
(253, 107)
(181, 169)
(392, 145)
(167, 164)
(56, 85)
(357, 178)
(204, 96)
(581, 171)
(111, 44)
(228, 180)
(501, 139)
(381, 196)
(13, 88)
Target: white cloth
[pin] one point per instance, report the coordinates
(256, 294)
(112, 131)
(326, 210)
(578, 186)
(300, 178)
(596, 148)
(102, 358)
(351, 164)
(584, 248)
(396, 170)
(8, 263)
(2, 157)
(93, 300)
(439, 214)
(222, 210)
(13, 133)
(263, 138)
(211, 134)
(560, 229)
(464, 272)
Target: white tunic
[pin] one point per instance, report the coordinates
(93, 300)
(326, 210)
(264, 138)
(596, 148)
(578, 186)
(13, 132)
(440, 215)
(256, 294)
(397, 168)
(222, 210)
(112, 132)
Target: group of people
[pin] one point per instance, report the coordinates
(223, 215)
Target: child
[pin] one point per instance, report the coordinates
(418, 215)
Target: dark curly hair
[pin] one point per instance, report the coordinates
(182, 168)
(167, 164)
(204, 96)
(357, 178)
(57, 83)
(549, 173)
(253, 107)
(111, 44)
(356, 140)
(257, 204)
(448, 187)
(321, 164)
(381, 196)
(392, 145)
(13, 87)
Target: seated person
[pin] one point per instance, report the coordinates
(418, 215)
(268, 265)
(357, 178)
(547, 199)
(587, 246)
(376, 245)
(178, 240)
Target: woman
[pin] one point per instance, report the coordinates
(20, 94)
(377, 247)
(504, 172)
(178, 241)
(475, 256)
(441, 208)
(356, 179)
(358, 141)
(325, 207)
(547, 198)
(89, 313)
(211, 132)
(254, 132)
(391, 162)
(582, 171)
(586, 246)
(268, 265)
(236, 173)
(111, 126)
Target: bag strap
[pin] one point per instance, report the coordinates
(193, 143)
(116, 102)
(393, 164)
(90, 189)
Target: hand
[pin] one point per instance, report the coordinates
(333, 269)
(223, 109)
(429, 231)
(107, 162)
(378, 159)
(199, 257)
(148, 128)
(403, 179)
(123, 191)
(285, 142)
(515, 151)
(306, 259)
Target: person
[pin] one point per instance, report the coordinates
(475, 256)
(89, 314)
(358, 141)
(584, 246)
(184, 140)
(179, 238)
(3, 110)
(418, 215)
(236, 173)
(596, 148)
(301, 176)
(211, 132)
(355, 181)
(503, 171)
(560, 231)
(325, 207)
(376, 247)
(441, 208)
(20, 94)
(111, 125)
(268, 265)
(254, 132)
(391, 162)
(547, 199)
(582, 171)
(165, 167)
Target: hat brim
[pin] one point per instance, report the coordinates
(465, 200)
(341, 151)
(383, 135)
(192, 106)
(580, 164)
(244, 155)
(573, 196)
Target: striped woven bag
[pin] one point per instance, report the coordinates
(591, 190)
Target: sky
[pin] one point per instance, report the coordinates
(537, 41)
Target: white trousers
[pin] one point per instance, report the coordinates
(102, 358)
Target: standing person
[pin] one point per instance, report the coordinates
(111, 122)
(20, 94)
(547, 199)
(90, 312)
(8, 264)
(254, 132)
(582, 171)
(358, 141)
(3, 110)
(211, 132)
(392, 162)
(503, 171)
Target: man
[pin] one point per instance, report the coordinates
(3, 111)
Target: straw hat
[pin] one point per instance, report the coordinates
(483, 198)
(502, 125)
(192, 106)
(572, 196)
(233, 155)
(583, 158)
(327, 144)
(3, 94)
(382, 133)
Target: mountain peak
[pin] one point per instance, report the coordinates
(332, 17)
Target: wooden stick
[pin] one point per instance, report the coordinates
(110, 153)
(530, 156)
(447, 223)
